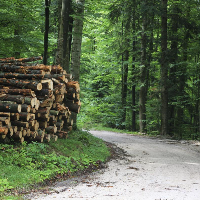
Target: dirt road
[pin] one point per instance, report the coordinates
(152, 169)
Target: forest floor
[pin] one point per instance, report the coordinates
(143, 168)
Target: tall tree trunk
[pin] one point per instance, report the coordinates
(77, 39)
(125, 87)
(76, 47)
(172, 73)
(125, 58)
(164, 69)
(143, 73)
(133, 124)
(62, 56)
(46, 33)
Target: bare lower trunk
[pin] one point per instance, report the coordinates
(164, 70)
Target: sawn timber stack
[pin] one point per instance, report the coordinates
(36, 100)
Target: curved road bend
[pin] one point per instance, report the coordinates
(153, 169)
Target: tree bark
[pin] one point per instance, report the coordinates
(10, 107)
(23, 60)
(77, 39)
(143, 73)
(62, 56)
(46, 33)
(34, 85)
(164, 69)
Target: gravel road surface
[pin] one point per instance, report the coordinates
(150, 169)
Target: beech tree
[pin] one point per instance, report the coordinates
(164, 69)
(63, 48)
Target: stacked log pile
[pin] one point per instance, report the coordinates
(36, 100)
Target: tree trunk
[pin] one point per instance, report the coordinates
(76, 47)
(133, 71)
(46, 33)
(164, 69)
(172, 73)
(143, 73)
(125, 58)
(62, 56)
(77, 39)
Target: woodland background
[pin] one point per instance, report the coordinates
(137, 61)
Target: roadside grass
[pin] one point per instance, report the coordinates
(24, 166)
(99, 127)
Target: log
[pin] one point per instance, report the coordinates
(20, 124)
(43, 110)
(35, 127)
(44, 92)
(30, 101)
(25, 108)
(3, 136)
(28, 131)
(72, 96)
(43, 125)
(36, 74)
(37, 104)
(6, 120)
(33, 134)
(14, 129)
(34, 69)
(54, 137)
(17, 135)
(59, 89)
(34, 85)
(10, 131)
(46, 68)
(19, 128)
(32, 116)
(40, 132)
(14, 116)
(59, 98)
(47, 138)
(47, 84)
(73, 106)
(4, 114)
(59, 125)
(18, 70)
(21, 76)
(62, 134)
(69, 122)
(33, 110)
(3, 130)
(25, 92)
(9, 107)
(21, 140)
(13, 60)
(24, 116)
(54, 112)
(43, 117)
(15, 98)
(46, 103)
(67, 128)
(56, 69)
(74, 85)
(23, 132)
(68, 76)
(51, 129)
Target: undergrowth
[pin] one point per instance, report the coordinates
(23, 166)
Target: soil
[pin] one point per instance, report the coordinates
(142, 168)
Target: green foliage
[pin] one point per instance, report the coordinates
(28, 164)
(103, 44)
